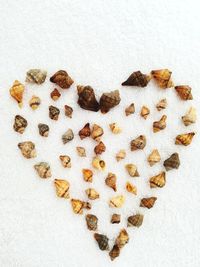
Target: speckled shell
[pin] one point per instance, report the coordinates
(92, 193)
(160, 125)
(87, 175)
(28, 149)
(67, 136)
(145, 111)
(34, 102)
(184, 92)
(138, 143)
(97, 132)
(54, 113)
(43, 169)
(43, 129)
(173, 162)
(184, 139)
(154, 157)
(135, 220)
(122, 239)
(111, 181)
(137, 79)
(100, 148)
(85, 131)
(162, 104)
(20, 124)
(36, 76)
(87, 99)
(78, 206)
(91, 221)
(109, 101)
(102, 241)
(117, 201)
(162, 78)
(62, 188)
(62, 79)
(158, 180)
(114, 253)
(148, 202)
(190, 117)
(17, 91)
(130, 109)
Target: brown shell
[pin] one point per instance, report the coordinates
(97, 132)
(62, 79)
(135, 220)
(158, 180)
(85, 131)
(36, 76)
(54, 113)
(20, 124)
(190, 117)
(114, 127)
(27, 149)
(91, 221)
(115, 219)
(111, 181)
(65, 161)
(138, 143)
(114, 253)
(68, 111)
(62, 188)
(109, 101)
(148, 202)
(162, 104)
(43, 170)
(43, 129)
(131, 188)
(184, 139)
(55, 94)
(122, 239)
(184, 92)
(132, 170)
(78, 205)
(86, 98)
(81, 151)
(145, 111)
(154, 157)
(172, 162)
(87, 175)
(17, 91)
(67, 136)
(130, 109)
(162, 78)
(92, 193)
(100, 148)
(121, 154)
(137, 79)
(102, 241)
(34, 102)
(160, 125)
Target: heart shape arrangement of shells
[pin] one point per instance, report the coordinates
(87, 100)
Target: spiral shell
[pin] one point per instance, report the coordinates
(111, 181)
(81, 151)
(54, 113)
(116, 218)
(43, 169)
(154, 157)
(131, 188)
(121, 154)
(184, 92)
(62, 79)
(122, 239)
(160, 125)
(130, 109)
(55, 94)
(137, 79)
(173, 162)
(184, 139)
(17, 91)
(158, 180)
(34, 102)
(190, 117)
(68, 111)
(97, 132)
(20, 124)
(145, 111)
(162, 104)
(85, 131)
(92, 193)
(114, 127)
(67, 136)
(87, 175)
(148, 202)
(114, 253)
(98, 163)
(65, 161)
(36, 76)
(87, 99)
(109, 101)
(78, 206)
(132, 170)
(102, 241)
(27, 149)
(135, 220)
(43, 129)
(117, 201)
(62, 188)
(162, 78)
(91, 221)
(138, 143)
(100, 148)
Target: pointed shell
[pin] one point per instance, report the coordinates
(98, 163)
(78, 205)
(162, 78)
(87, 99)
(17, 91)
(85, 131)
(65, 161)
(43, 169)
(54, 113)
(34, 102)
(97, 132)
(36, 76)
(115, 219)
(184, 139)
(92, 193)
(20, 124)
(162, 104)
(130, 109)
(100, 148)
(190, 117)
(62, 188)
(184, 92)
(154, 157)
(28, 149)
(138, 143)
(43, 129)
(148, 202)
(137, 79)
(173, 162)
(111, 181)
(67, 136)
(109, 101)
(62, 79)
(102, 241)
(131, 188)
(158, 180)
(114, 253)
(121, 154)
(114, 127)
(135, 220)
(122, 239)
(91, 221)
(87, 175)
(145, 111)
(117, 201)
(68, 111)
(55, 94)
(132, 170)
(160, 125)
(81, 151)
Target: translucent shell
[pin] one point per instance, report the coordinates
(158, 180)
(184, 139)
(162, 78)
(62, 188)
(17, 91)
(116, 218)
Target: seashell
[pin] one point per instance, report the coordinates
(184, 139)
(65, 161)
(121, 155)
(67, 136)
(135, 220)
(68, 111)
(92, 193)
(162, 78)
(87, 175)
(91, 221)
(43, 169)
(85, 131)
(86, 98)
(145, 111)
(122, 239)
(190, 117)
(114, 127)
(79, 205)
(98, 163)
(36, 76)
(137, 78)
(62, 188)
(116, 218)
(28, 149)
(114, 253)
(97, 132)
(154, 157)
(102, 241)
(117, 201)
(100, 148)
(111, 181)
(148, 202)
(109, 100)
(138, 143)
(132, 170)
(20, 124)
(54, 113)
(43, 129)
(184, 92)
(172, 162)
(55, 94)
(130, 109)
(62, 79)
(157, 180)
(162, 104)
(34, 102)
(17, 91)
(159, 125)
(131, 188)
(81, 151)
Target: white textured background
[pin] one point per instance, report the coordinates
(99, 43)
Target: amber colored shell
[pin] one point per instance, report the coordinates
(102, 241)
(78, 205)
(54, 113)
(121, 154)
(184, 139)
(173, 162)
(27, 149)
(87, 99)
(43, 169)
(130, 109)
(85, 131)
(157, 180)
(114, 127)
(190, 117)
(122, 239)
(92, 193)
(65, 161)
(111, 181)
(98, 163)
(62, 188)
(55, 94)
(20, 124)
(109, 101)
(145, 111)
(162, 104)
(17, 91)
(87, 175)
(162, 78)
(148, 202)
(36, 76)
(91, 221)
(97, 132)
(160, 125)
(116, 218)
(131, 188)
(62, 79)
(135, 220)
(132, 170)
(100, 148)
(114, 253)
(68, 111)
(117, 201)
(137, 79)
(138, 143)
(184, 92)
(34, 102)
(154, 157)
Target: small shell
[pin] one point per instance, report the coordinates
(62, 79)
(102, 241)
(43, 170)
(158, 180)
(36, 76)
(97, 132)
(121, 155)
(92, 193)
(114, 253)
(130, 109)
(132, 170)
(87, 175)
(100, 148)
(67, 136)
(62, 188)
(109, 101)
(184, 139)
(160, 125)
(122, 239)
(172, 162)
(54, 113)
(116, 218)
(87, 99)
(111, 181)
(28, 149)
(43, 129)
(117, 201)
(154, 157)
(114, 127)
(34, 102)
(98, 163)
(137, 78)
(81, 151)
(148, 202)
(135, 220)
(190, 117)
(131, 188)
(138, 143)
(68, 111)
(65, 161)
(79, 205)
(91, 221)
(162, 78)
(17, 91)
(184, 92)
(145, 111)
(162, 104)
(20, 124)
(85, 131)
(55, 94)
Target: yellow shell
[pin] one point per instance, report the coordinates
(98, 163)
(131, 188)
(157, 180)
(92, 193)
(121, 154)
(132, 170)
(66, 161)
(162, 78)
(115, 128)
(17, 91)
(117, 201)
(154, 157)
(62, 188)
(78, 206)
(190, 117)
(87, 175)
(184, 139)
